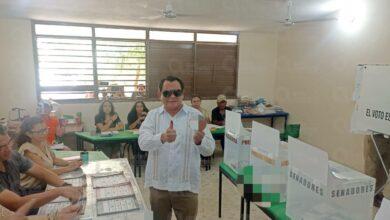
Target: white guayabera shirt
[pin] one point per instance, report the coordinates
(173, 166)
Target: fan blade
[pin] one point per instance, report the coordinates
(315, 20)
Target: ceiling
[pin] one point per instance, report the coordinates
(222, 15)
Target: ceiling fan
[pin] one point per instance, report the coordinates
(168, 12)
(289, 21)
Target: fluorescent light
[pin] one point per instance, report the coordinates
(352, 14)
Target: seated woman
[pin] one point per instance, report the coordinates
(137, 115)
(32, 144)
(108, 120)
(135, 118)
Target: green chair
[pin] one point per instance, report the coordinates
(291, 130)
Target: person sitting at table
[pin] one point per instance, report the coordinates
(135, 118)
(44, 110)
(108, 120)
(218, 113)
(12, 164)
(32, 144)
(196, 103)
(137, 115)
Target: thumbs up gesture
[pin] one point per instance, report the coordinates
(169, 135)
(199, 134)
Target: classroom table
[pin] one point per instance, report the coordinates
(117, 166)
(92, 155)
(249, 193)
(271, 116)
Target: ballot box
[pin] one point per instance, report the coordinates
(269, 164)
(321, 189)
(237, 143)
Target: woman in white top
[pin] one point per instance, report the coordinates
(33, 145)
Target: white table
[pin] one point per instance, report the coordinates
(111, 166)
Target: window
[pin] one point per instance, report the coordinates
(170, 35)
(90, 62)
(225, 38)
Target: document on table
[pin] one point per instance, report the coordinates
(118, 205)
(54, 206)
(108, 180)
(114, 192)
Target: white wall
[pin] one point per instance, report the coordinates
(17, 75)
(256, 75)
(257, 65)
(316, 76)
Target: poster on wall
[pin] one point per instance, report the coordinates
(372, 97)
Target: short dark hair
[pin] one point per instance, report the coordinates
(171, 79)
(196, 96)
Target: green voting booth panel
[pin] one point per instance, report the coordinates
(258, 192)
(252, 191)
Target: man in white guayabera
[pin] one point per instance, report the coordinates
(175, 137)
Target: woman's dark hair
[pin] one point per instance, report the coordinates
(101, 113)
(27, 125)
(132, 116)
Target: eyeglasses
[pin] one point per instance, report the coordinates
(10, 142)
(168, 93)
(41, 131)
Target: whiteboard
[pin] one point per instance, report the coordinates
(372, 97)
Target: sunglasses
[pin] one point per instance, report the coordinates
(41, 131)
(168, 93)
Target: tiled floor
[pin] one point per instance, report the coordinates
(208, 196)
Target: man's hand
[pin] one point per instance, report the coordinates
(169, 135)
(198, 136)
(72, 193)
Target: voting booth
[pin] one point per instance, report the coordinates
(372, 100)
(237, 142)
(321, 189)
(371, 114)
(269, 163)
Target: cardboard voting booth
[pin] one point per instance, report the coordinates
(269, 163)
(371, 114)
(372, 97)
(237, 142)
(322, 189)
